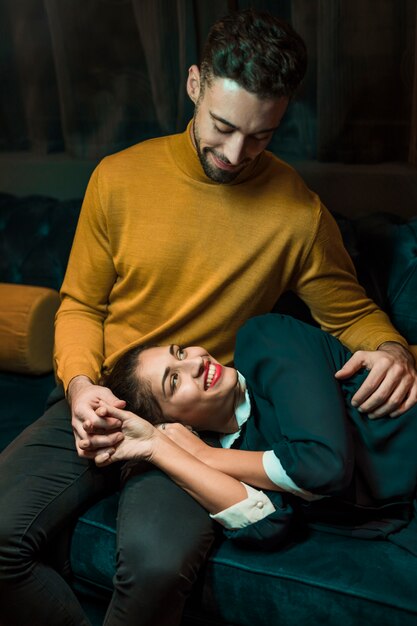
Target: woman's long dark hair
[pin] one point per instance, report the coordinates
(124, 382)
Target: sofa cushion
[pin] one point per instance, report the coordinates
(27, 328)
(331, 578)
(36, 234)
(387, 265)
(23, 399)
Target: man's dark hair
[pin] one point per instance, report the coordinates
(262, 53)
(124, 382)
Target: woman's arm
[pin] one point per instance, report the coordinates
(243, 465)
(213, 489)
(257, 468)
(249, 517)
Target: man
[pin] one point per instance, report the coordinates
(180, 239)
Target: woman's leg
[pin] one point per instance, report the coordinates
(43, 487)
(163, 539)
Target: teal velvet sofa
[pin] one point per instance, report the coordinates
(316, 578)
(36, 234)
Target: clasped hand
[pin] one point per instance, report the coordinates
(391, 385)
(92, 431)
(140, 438)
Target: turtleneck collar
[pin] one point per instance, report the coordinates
(186, 158)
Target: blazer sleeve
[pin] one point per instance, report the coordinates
(267, 533)
(289, 367)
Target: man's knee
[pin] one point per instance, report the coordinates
(162, 564)
(155, 573)
(163, 539)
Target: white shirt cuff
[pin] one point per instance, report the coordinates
(278, 475)
(254, 508)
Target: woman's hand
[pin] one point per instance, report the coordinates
(185, 438)
(139, 437)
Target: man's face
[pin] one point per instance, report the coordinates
(231, 126)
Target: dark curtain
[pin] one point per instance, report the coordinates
(89, 77)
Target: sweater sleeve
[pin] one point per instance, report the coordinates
(89, 278)
(327, 284)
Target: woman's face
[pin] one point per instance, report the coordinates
(191, 386)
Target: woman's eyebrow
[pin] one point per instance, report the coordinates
(167, 370)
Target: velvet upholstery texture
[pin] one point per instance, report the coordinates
(314, 579)
(23, 398)
(388, 255)
(318, 579)
(36, 233)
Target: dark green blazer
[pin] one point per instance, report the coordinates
(299, 410)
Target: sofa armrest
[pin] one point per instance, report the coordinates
(27, 328)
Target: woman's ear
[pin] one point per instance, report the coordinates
(194, 83)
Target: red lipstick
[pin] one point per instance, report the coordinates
(215, 376)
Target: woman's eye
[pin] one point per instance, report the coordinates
(180, 353)
(174, 382)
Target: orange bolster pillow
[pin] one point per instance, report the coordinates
(27, 317)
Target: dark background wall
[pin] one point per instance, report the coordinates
(80, 79)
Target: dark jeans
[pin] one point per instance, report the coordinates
(163, 535)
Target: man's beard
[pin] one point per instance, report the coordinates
(211, 171)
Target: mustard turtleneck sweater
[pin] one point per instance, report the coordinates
(164, 255)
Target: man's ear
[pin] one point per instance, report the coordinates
(194, 83)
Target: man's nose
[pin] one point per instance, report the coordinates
(235, 149)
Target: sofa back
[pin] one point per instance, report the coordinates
(36, 234)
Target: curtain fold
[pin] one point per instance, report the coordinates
(30, 101)
(158, 21)
(363, 93)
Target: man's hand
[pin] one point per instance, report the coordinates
(139, 437)
(391, 385)
(92, 432)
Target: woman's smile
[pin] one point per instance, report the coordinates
(212, 373)
(191, 387)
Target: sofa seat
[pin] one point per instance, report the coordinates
(329, 578)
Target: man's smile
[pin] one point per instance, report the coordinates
(225, 165)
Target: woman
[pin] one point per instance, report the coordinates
(286, 425)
